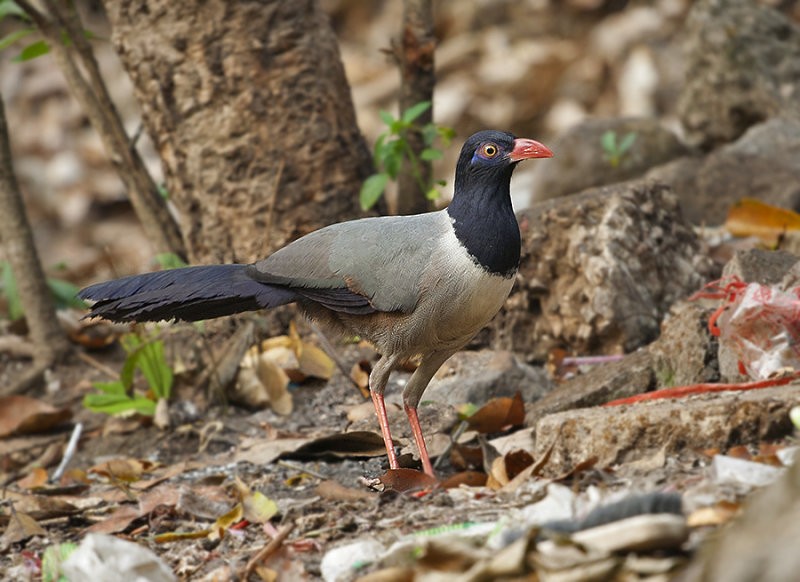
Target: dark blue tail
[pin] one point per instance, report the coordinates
(190, 293)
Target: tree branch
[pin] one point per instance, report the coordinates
(18, 244)
(93, 96)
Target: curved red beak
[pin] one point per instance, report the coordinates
(525, 149)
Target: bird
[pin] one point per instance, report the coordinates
(418, 286)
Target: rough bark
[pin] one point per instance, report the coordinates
(417, 80)
(249, 107)
(89, 89)
(17, 239)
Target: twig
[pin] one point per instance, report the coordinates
(96, 103)
(296, 467)
(267, 551)
(69, 452)
(17, 347)
(97, 365)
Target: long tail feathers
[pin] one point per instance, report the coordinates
(190, 293)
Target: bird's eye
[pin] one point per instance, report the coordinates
(489, 150)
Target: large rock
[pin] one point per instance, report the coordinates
(743, 68)
(764, 163)
(599, 271)
(622, 434)
(581, 161)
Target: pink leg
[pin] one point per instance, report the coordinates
(383, 421)
(413, 420)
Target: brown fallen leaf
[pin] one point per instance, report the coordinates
(36, 479)
(340, 445)
(468, 478)
(335, 491)
(713, 515)
(406, 480)
(24, 415)
(751, 217)
(359, 373)
(21, 526)
(125, 470)
(498, 414)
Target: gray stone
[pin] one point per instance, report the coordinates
(476, 377)
(764, 163)
(580, 161)
(599, 271)
(622, 434)
(743, 67)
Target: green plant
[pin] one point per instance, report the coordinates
(615, 150)
(170, 261)
(63, 292)
(117, 397)
(36, 48)
(392, 148)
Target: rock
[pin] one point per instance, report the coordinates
(622, 434)
(627, 377)
(580, 161)
(685, 352)
(599, 271)
(739, 554)
(476, 377)
(760, 266)
(764, 163)
(743, 68)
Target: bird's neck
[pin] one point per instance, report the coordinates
(485, 224)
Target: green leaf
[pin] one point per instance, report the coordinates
(398, 126)
(372, 189)
(155, 369)
(394, 159)
(116, 404)
(627, 142)
(170, 261)
(609, 142)
(162, 191)
(433, 194)
(13, 37)
(446, 134)
(11, 292)
(386, 117)
(11, 8)
(415, 111)
(114, 388)
(52, 559)
(65, 294)
(430, 154)
(32, 51)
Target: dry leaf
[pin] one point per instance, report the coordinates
(468, 478)
(21, 526)
(125, 470)
(498, 414)
(405, 480)
(348, 444)
(224, 522)
(315, 363)
(714, 515)
(335, 491)
(276, 383)
(36, 479)
(359, 373)
(24, 415)
(751, 217)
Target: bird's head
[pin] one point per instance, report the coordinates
(490, 156)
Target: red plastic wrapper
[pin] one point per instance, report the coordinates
(759, 323)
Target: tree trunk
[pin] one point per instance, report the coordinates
(17, 239)
(418, 78)
(249, 107)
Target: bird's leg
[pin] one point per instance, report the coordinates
(377, 384)
(413, 393)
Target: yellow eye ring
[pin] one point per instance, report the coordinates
(489, 150)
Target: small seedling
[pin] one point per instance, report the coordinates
(63, 293)
(392, 149)
(615, 150)
(117, 397)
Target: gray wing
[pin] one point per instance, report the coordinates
(381, 259)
